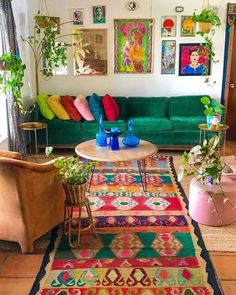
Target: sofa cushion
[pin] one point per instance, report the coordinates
(147, 106)
(94, 126)
(44, 108)
(189, 105)
(82, 106)
(68, 103)
(187, 122)
(111, 108)
(68, 125)
(57, 108)
(96, 107)
(151, 123)
(122, 104)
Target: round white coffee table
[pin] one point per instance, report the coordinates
(145, 149)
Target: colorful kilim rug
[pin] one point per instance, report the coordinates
(145, 245)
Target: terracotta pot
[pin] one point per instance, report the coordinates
(75, 194)
(204, 27)
(203, 211)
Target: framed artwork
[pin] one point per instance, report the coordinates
(99, 14)
(133, 45)
(168, 26)
(77, 17)
(89, 51)
(168, 57)
(193, 60)
(188, 27)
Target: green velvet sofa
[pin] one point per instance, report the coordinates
(166, 121)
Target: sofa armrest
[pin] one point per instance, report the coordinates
(35, 113)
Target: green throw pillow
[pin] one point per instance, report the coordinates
(44, 107)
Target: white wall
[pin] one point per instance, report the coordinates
(132, 84)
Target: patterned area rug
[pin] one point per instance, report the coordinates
(145, 245)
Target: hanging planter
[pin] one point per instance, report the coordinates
(205, 27)
(42, 21)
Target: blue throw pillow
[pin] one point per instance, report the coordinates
(96, 107)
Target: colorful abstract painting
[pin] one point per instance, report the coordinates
(193, 60)
(188, 27)
(133, 45)
(168, 57)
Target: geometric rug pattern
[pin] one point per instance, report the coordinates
(146, 243)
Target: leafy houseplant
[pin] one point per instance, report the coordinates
(12, 78)
(74, 175)
(204, 163)
(213, 113)
(207, 16)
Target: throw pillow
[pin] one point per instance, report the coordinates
(96, 107)
(57, 108)
(111, 108)
(82, 106)
(10, 154)
(68, 103)
(44, 107)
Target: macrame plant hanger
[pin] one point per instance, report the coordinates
(42, 19)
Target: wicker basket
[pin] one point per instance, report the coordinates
(75, 194)
(204, 27)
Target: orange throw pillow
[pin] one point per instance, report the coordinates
(68, 103)
(111, 108)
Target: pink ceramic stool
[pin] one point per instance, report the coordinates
(203, 212)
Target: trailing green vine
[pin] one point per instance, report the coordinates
(12, 78)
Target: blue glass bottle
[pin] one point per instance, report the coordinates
(130, 140)
(101, 137)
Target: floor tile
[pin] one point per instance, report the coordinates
(21, 266)
(15, 286)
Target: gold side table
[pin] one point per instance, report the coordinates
(221, 130)
(35, 126)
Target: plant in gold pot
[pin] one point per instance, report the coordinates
(74, 175)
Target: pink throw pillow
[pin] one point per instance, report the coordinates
(111, 108)
(82, 106)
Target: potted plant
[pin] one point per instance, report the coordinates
(213, 113)
(206, 19)
(74, 175)
(11, 79)
(210, 191)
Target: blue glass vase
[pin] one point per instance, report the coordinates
(131, 140)
(101, 137)
(114, 132)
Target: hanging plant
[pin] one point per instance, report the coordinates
(12, 78)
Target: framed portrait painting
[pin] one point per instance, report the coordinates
(99, 14)
(168, 57)
(193, 60)
(133, 45)
(89, 51)
(77, 16)
(168, 26)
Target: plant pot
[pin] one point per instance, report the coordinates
(204, 27)
(213, 122)
(75, 194)
(42, 21)
(203, 211)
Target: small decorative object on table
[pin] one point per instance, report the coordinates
(130, 140)
(101, 137)
(114, 132)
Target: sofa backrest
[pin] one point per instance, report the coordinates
(189, 105)
(147, 106)
(122, 103)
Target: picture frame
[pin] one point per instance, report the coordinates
(188, 27)
(133, 45)
(168, 26)
(193, 60)
(89, 51)
(55, 21)
(99, 14)
(168, 56)
(78, 16)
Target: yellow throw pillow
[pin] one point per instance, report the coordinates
(57, 108)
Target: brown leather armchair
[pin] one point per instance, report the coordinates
(31, 202)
